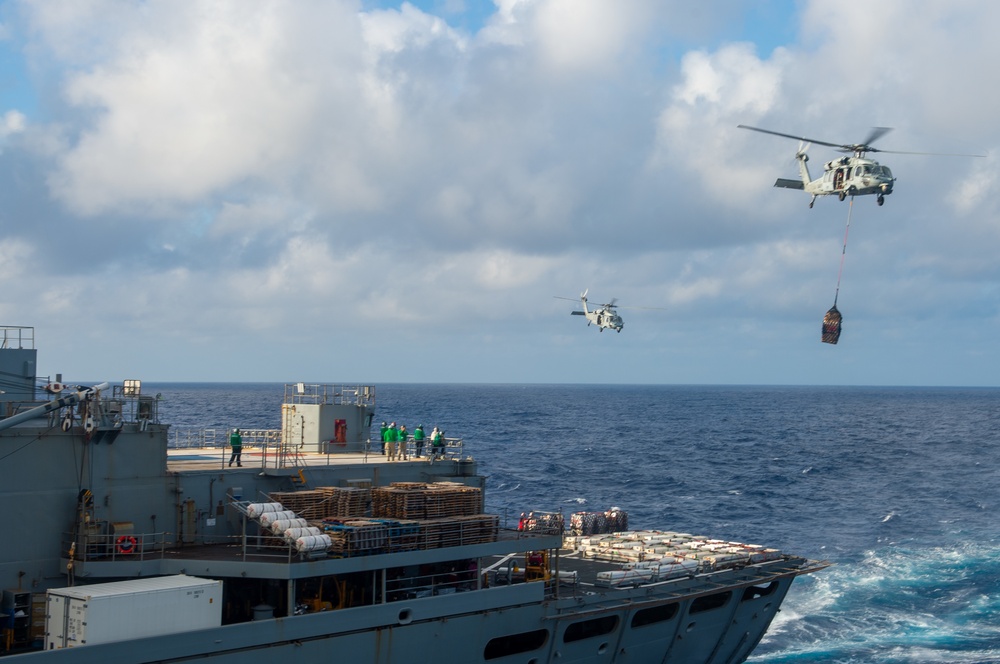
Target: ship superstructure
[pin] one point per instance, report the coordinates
(320, 547)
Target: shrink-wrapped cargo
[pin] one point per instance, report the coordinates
(254, 510)
(267, 518)
(279, 527)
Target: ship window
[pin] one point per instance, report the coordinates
(709, 602)
(514, 644)
(753, 592)
(588, 628)
(654, 614)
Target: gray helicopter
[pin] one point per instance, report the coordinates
(604, 316)
(847, 176)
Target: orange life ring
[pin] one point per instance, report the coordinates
(126, 544)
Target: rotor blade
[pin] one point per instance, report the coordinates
(800, 138)
(876, 133)
(647, 308)
(571, 299)
(929, 154)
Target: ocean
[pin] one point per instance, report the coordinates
(897, 487)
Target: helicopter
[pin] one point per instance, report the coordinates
(846, 176)
(604, 317)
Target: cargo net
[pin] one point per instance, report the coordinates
(546, 523)
(597, 523)
(831, 326)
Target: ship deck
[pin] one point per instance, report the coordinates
(181, 459)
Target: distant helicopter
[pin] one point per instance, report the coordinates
(847, 176)
(605, 316)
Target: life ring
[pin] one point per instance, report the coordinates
(126, 544)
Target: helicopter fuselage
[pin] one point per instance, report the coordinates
(843, 177)
(605, 318)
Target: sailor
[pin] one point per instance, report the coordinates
(401, 446)
(381, 435)
(418, 440)
(436, 444)
(390, 441)
(236, 442)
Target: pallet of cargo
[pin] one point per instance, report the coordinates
(308, 504)
(355, 537)
(350, 501)
(419, 500)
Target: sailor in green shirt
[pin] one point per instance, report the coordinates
(418, 440)
(236, 442)
(381, 435)
(390, 441)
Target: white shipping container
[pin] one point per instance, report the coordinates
(106, 612)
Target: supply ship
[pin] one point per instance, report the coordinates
(132, 546)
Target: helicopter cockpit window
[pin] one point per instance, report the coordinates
(886, 172)
(857, 172)
(868, 169)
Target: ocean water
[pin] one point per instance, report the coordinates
(898, 487)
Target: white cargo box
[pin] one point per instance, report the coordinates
(106, 612)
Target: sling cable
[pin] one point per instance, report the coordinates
(833, 319)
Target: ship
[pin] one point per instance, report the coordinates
(125, 543)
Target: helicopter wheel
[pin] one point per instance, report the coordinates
(811, 203)
(880, 200)
(843, 195)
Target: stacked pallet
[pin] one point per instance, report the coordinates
(460, 531)
(347, 501)
(308, 504)
(421, 500)
(402, 535)
(356, 537)
(669, 550)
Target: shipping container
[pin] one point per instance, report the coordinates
(105, 612)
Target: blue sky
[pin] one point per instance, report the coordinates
(348, 190)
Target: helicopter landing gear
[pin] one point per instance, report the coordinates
(812, 202)
(842, 195)
(880, 200)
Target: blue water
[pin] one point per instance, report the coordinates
(897, 486)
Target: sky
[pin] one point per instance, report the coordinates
(373, 191)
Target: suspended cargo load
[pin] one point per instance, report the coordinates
(831, 326)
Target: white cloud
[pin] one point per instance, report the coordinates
(353, 173)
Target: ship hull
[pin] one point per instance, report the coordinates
(460, 628)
